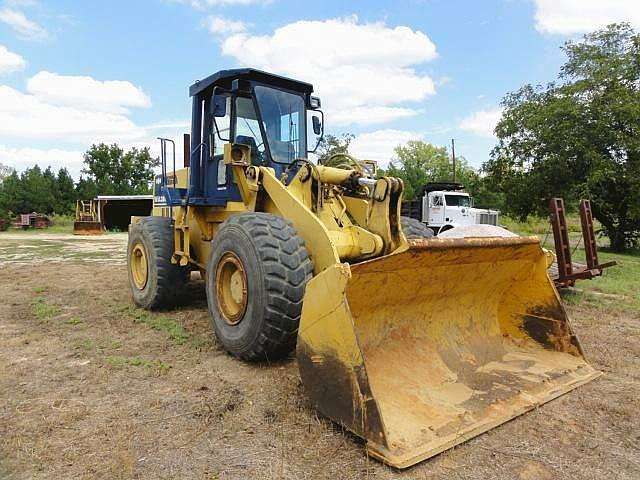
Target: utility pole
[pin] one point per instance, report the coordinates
(453, 156)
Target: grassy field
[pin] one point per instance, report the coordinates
(92, 387)
(60, 224)
(620, 284)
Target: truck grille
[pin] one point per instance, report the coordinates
(488, 219)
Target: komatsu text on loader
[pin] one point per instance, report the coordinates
(414, 345)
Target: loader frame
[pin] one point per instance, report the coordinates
(414, 346)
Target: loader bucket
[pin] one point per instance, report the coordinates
(87, 228)
(421, 350)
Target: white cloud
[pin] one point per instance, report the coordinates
(222, 26)
(173, 130)
(72, 159)
(367, 115)
(22, 158)
(25, 28)
(179, 124)
(10, 62)
(62, 110)
(380, 144)
(87, 93)
(21, 3)
(203, 4)
(353, 66)
(482, 122)
(27, 116)
(569, 17)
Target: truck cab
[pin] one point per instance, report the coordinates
(445, 205)
(447, 208)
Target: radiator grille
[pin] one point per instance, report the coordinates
(488, 219)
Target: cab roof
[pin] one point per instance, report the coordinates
(223, 78)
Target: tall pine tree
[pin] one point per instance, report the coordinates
(65, 193)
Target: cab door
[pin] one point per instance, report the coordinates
(436, 209)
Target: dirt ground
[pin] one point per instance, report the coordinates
(91, 387)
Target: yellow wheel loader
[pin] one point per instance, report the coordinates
(414, 345)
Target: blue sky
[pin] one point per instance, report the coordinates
(73, 73)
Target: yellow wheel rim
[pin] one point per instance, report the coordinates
(231, 288)
(139, 266)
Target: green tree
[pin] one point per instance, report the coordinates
(37, 190)
(332, 145)
(86, 189)
(31, 191)
(9, 191)
(11, 194)
(418, 163)
(116, 172)
(485, 192)
(65, 193)
(5, 171)
(48, 199)
(579, 137)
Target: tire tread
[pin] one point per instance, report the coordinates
(171, 278)
(287, 268)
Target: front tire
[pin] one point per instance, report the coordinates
(256, 277)
(155, 282)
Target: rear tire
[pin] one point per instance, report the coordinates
(415, 229)
(155, 282)
(256, 277)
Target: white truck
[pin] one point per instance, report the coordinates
(443, 206)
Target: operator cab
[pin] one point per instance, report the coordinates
(276, 117)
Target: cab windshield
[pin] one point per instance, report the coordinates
(283, 118)
(457, 201)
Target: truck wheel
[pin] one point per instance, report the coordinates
(155, 282)
(415, 229)
(256, 276)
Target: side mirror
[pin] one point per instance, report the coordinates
(316, 121)
(219, 106)
(317, 125)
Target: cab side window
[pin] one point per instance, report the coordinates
(223, 124)
(436, 201)
(221, 136)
